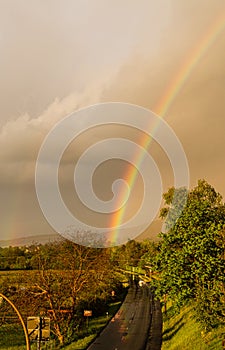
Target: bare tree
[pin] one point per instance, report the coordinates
(66, 274)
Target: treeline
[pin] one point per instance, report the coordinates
(17, 258)
(27, 257)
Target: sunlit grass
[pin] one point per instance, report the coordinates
(182, 331)
(81, 343)
(12, 336)
(93, 328)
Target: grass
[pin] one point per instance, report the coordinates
(94, 327)
(182, 331)
(81, 343)
(12, 336)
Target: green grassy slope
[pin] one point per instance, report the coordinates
(182, 331)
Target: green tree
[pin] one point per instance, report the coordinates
(191, 257)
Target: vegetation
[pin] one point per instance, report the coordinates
(182, 331)
(12, 337)
(17, 258)
(191, 255)
(186, 267)
(67, 279)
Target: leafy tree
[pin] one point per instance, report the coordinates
(128, 254)
(191, 257)
(150, 250)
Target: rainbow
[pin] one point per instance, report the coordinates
(188, 66)
(12, 224)
(163, 106)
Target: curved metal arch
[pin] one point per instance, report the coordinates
(20, 318)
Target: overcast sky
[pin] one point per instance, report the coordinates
(60, 55)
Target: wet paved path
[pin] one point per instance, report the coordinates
(129, 329)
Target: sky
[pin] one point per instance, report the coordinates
(58, 56)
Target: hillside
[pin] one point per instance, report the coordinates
(181, 330)
(26, 241)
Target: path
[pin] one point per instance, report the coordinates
(129, 329)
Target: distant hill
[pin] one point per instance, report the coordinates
(27, 241)
(150, 233)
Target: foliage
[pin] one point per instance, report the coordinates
(16, 258)
(128, 254)
(150, 249)
(191, 257)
